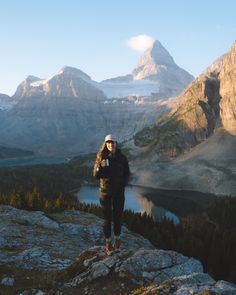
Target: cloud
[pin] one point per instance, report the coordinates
(140, 42)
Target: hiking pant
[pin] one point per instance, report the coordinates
(113, 207)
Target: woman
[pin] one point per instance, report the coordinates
(112, 168)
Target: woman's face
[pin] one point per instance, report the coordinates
(111, 145)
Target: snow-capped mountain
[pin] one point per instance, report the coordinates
(155, 74)
(69, 82)
(70, 113)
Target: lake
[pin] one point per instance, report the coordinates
(135, 200)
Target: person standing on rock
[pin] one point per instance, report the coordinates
(112, 170)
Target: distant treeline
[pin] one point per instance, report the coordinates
(7, 152)
(209, 236)
(49, 180)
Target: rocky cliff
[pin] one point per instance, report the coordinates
(200, 131)
(68, 125)
(71, 243)
(227, 78)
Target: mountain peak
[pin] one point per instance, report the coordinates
(71, 72)
(155, 56)
(31, 79)
(159, 54)
(158, 65)
(153, 61)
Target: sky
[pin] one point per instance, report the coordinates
(106, 38)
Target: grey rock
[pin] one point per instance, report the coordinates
(31, 240)
(194, 278)
(190, 266)
(8, 281)
(167, 272)
(146, 261)
(88, 262)
(111, 261)
(33, 292)
(224, 288)
(191, 284)
(99, 269)
(54, 248)
(3, 242)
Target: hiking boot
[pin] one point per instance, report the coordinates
(109, 249)
(117, 245)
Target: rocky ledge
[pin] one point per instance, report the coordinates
(69, 245)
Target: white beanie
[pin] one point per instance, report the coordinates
(110, 137)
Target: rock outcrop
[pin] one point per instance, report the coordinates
(227, 78)
(71, 243)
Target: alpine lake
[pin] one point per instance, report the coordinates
(158, 203)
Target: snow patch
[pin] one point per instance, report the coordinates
(134, 88)
(38, 83)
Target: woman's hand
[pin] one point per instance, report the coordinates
(103, 163)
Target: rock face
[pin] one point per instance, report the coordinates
(34, 241)
(156, 72)
(207, 104)
(227, 77)
(67, 114)
(6, 102)
(205, 116)
(62, 126)
(69, 82)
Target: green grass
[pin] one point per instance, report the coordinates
(163, 132)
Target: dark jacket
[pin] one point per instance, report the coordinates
(114, 177)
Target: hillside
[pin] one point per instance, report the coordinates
(193, 146)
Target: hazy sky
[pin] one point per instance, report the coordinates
(40, 37)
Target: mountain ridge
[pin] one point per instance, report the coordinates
(206, 110)
(155, 75)
(68, 82)
(59, 115)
